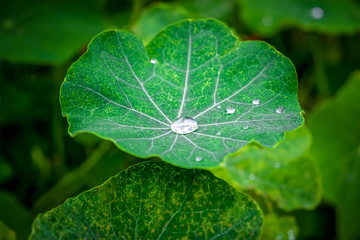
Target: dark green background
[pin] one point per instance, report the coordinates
(41, 165)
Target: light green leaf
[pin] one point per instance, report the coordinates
(285, 174)
(233, 92)
(157, 17)
(335, 126)
(47, 32)
(279, 227)
(267, 17)
(154, 201)
(6, 233)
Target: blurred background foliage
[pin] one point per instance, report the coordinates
(41, 165)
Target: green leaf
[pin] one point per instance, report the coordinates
(6, 233)
(154, 200)
(195, 69)
(219, 9)
(285, 174)
(279, 227)
(47, 32)
(335, 126)
(267, 17)
(157, 17)
(6, 171)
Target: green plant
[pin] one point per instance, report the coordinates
(194, 95)
(181, 126)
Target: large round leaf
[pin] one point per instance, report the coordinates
(233, 92)
(154, 201)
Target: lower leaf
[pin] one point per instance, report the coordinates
(154, 200)
(285, 174)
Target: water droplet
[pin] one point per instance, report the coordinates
(278, 237)
(246, 127)
(267, 21)
(198, 159)
(252, 177)
(230, 110)
(291, 235)
(153, 61)
(349, 177)
(184, 125)
(280, 109)
(218, 133)
(317, 13)
(219, 106)
(277, 165)
(256, 101)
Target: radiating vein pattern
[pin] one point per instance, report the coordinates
(154, 200)
(130, 94)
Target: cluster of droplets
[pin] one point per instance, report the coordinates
(185, 125)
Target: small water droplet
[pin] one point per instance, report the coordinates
(184, 125)
(230, 110)
(218, 133)
(252, 177)
(291, 235)
(219, 106)
(277, 165)
(153, 61)
(267, 21)
(256, 101)
(280, 109)
(246, 127)
(317, 12)
(349, 177)
(198, 159)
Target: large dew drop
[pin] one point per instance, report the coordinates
(184, 125)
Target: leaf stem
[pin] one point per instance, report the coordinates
(318, 53)
(71, 183)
